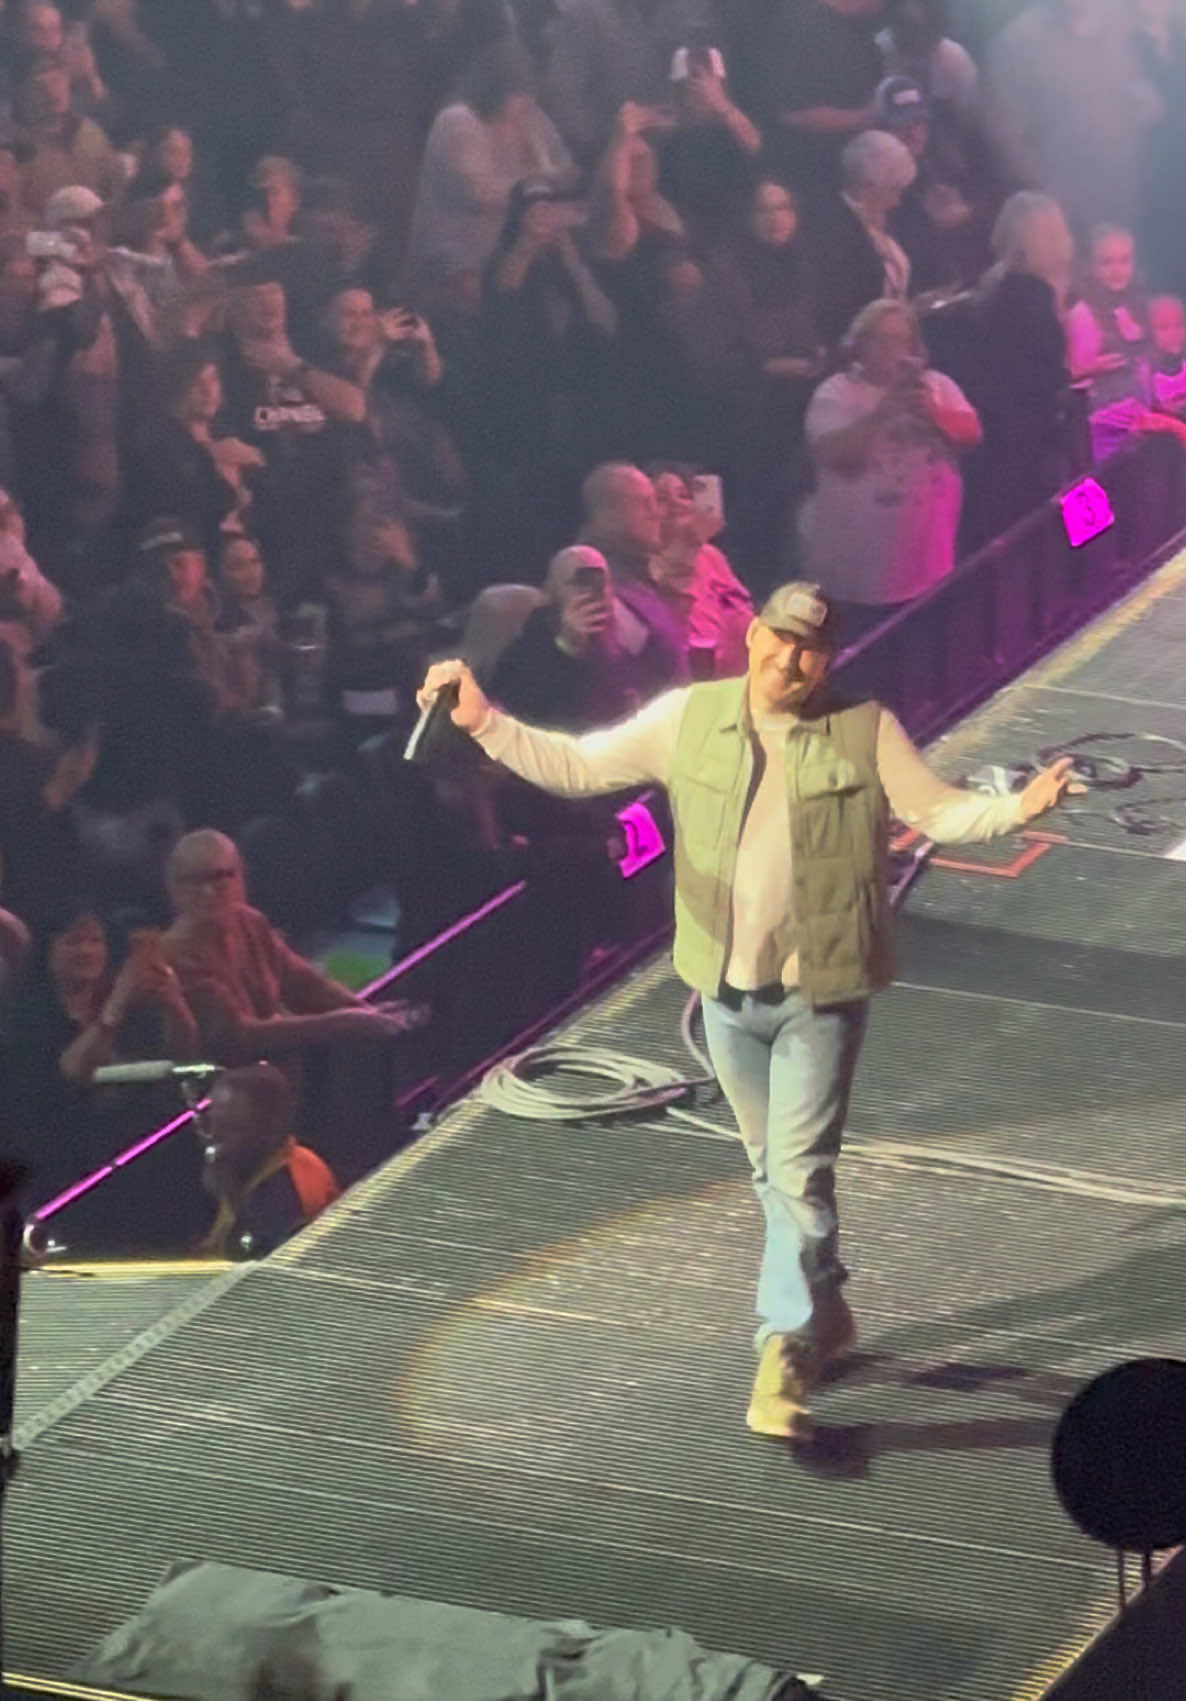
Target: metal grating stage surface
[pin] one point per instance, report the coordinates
(76, 1322)
(510, 1370)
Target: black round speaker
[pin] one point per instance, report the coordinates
(1119, 1456)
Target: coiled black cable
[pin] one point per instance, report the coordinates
(1099, 771)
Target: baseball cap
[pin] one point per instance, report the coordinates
(76, 204)
(167, 535)
(686, 59)
(802, 609)
(900, 100)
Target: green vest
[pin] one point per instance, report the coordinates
(839, 917)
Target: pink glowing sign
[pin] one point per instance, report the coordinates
(644, 841)
(1086, 512)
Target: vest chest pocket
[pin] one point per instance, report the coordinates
(700, 800)
(830, 778)
(836, 804)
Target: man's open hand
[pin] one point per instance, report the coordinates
(1048, 788)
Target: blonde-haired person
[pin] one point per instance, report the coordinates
(1032, 238)
(885, 435)
(1021, 354)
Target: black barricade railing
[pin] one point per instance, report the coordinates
(1014, 600)
(507, 970)
(516, 963)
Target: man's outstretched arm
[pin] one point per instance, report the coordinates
(636, 752)
(951, 815)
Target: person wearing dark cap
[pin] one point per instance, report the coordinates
(782, 795)
(915, 44)
(173, 560)
(938, 222)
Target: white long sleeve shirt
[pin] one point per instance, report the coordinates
(640, 751)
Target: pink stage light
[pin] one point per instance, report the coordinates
(1086, 512)
(644, 841)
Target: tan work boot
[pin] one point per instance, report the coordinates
(833, 1326)
(788, 1370)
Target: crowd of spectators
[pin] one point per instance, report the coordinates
(334, 333)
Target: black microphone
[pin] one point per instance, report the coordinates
(434, 730)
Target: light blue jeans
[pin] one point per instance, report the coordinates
(787, 1071)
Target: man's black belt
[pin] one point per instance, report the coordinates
(774, 993)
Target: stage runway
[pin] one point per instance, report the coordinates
(511, 1369)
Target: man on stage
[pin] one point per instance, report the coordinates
(782, 796)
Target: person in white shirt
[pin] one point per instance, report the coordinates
(885, 435)
(479, 147)
(781, 796)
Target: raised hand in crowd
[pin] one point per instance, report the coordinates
(402, 328)
(145, 978)
(232, 456)
(585, 617)
(634, 119)
(73, 769)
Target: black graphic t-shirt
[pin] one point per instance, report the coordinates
(299, 496)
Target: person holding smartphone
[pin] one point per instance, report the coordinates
(405, 473)
(607, 53)
(568, 667)
(693, 575)
(81, 1008)
(886, 435)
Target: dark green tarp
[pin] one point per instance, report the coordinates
(218, 1633)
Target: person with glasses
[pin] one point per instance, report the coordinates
(254, 997)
